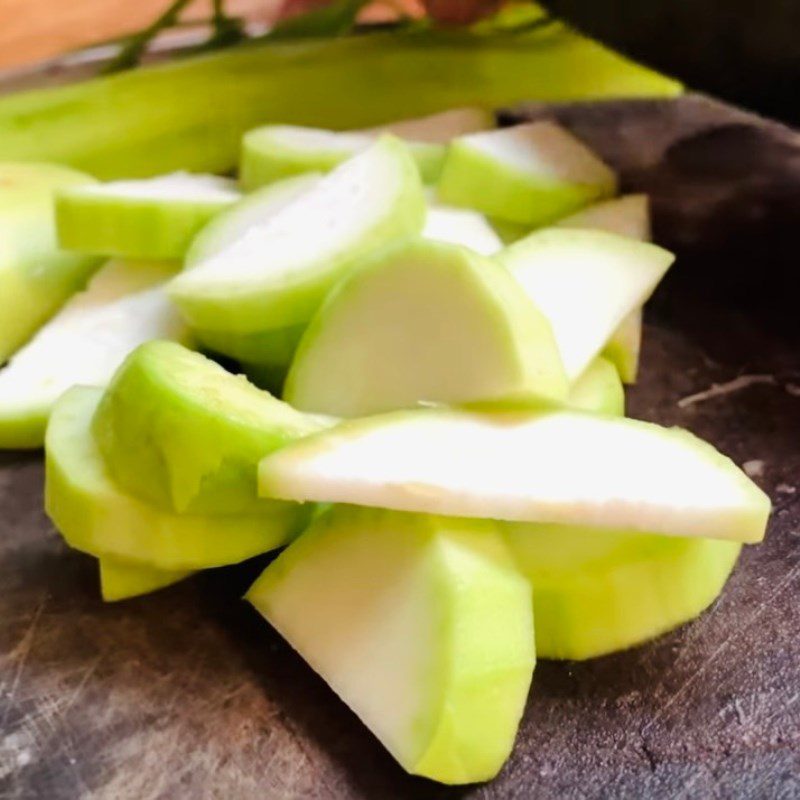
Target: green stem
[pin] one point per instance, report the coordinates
(131, 53)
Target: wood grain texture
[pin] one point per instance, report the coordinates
(189, 694)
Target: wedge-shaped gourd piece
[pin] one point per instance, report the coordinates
(123, 306)
(150, 218)
(179, 431)
(278, 273)
(626, 216)
(273, 152)
(598, 389)
(420, 624)
(586, 283)
(36, 277)
(427, 321)
(624, 346)
(121, 580)
(461, 226)
(530, 174)
(568, 467)
(94, 515)
(271, 349)
(595, 592)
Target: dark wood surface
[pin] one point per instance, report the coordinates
(189, 694)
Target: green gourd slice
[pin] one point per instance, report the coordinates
(626, 216)
(598, 389)
(179, 431)
(121, 580)
(277, 274)
(530, 174)
(427, 322)
(461, 226)
(274, 152)
(420, 624)
(94, 515)
(36, 276)
(559, 466)
(123, 306)
(586, 283)
(154, 218)
(595, 592)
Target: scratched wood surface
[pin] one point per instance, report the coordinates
(188, 694)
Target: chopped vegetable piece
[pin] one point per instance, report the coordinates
(94, 515)
(420, 624)
(598, 389)
(155, 218)
(426, 322)
(277, 274)
(461, 226)
(586, 283)
(121, 580)
(36, 278)
(567, 467)
(530, 174)
(181, 432)
(595, 592)
(123, 306)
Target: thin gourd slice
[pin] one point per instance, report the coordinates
(420, 624)
(154, 218)
(123, 306)
(559, 466)
(461, 226)
(121, 580)
(626, 216)
(278, 273)
(598, 389)
(530, 174)
(181, 432)
(36, 276)
(273, 152)
(595, 592)
(586, 283)
(94, 515)
(428, 321)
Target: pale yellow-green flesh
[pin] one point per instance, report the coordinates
(36, 276)
(420, 624)
(597, 591)
(95, 516)
(428, 322)
(598, 389)
(121, 580)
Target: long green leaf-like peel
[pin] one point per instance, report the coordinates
(190, 114)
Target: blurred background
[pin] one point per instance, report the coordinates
(745, 52)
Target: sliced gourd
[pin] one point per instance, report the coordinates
(461, 226)
(123, 306)
(271, 349)
(426, 322)
(586, 283)
(151, 218)
(530, 174)
(121, 580)
(36, 277)
(94, 515)
(273, 152)
(567, 467)
(595, 592)
(278, 273)
(420, 624)
(626, 216)
(598, 389)
(179, 431)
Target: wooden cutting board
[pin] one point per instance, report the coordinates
(189, 694)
